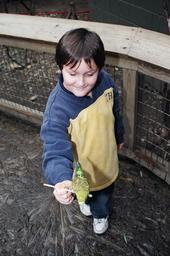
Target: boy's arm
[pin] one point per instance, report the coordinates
(119, 128)
(57, 156)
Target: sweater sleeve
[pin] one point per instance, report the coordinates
(57, 155)
(119, 128)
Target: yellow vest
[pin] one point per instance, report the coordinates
(94, 145)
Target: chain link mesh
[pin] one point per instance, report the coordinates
(153, 119)
(27, 77)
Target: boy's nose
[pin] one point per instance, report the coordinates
(80, 81)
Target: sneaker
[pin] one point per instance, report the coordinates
(100, 225)
(85, 209)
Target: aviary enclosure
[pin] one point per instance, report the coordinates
(138, 60)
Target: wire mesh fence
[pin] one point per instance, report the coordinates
(27, 77)
(153, 119)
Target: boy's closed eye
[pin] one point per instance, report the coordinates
(90, 74)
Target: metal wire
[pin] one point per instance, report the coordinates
(27, 77)
(153, 119)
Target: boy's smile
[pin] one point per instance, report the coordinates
(80, 79)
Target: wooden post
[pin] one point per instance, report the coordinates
(129, 106)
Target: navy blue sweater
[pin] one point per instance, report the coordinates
(83, 128)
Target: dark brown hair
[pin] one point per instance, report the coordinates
(77, 44)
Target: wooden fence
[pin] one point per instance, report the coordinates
(138, 59)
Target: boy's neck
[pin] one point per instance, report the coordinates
(90, 94)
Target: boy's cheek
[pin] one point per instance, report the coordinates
(68, 81)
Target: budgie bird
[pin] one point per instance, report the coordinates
(80, 184)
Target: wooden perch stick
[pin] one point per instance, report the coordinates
(51, 186)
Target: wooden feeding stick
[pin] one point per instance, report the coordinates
(51, 186)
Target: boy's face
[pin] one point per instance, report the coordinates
(80, 79)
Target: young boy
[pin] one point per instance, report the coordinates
(82, 122)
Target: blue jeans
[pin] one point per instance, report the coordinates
(101, 202)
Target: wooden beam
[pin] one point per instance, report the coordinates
(22, 112)
(35, 45)
(129, 106)
(151, 47)
(140, 44)
(158, 169)
(154, 71)
(121, 61)
(142, 67)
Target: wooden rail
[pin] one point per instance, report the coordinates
(137, 43)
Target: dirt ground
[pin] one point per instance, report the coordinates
(34, 224)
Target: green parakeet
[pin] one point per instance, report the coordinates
(80, 184)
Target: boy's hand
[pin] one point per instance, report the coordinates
(61, 192)
(120, 146)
